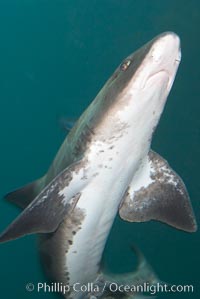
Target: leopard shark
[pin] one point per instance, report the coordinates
(106, 167)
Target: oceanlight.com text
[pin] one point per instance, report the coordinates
(113, 287)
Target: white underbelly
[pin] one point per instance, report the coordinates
(100, 209)
(100, 200)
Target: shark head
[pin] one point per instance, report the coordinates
(136, 93)
(154, 66)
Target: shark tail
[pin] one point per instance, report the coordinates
(144, 271)
(143, 275)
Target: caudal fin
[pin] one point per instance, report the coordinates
(137, 280)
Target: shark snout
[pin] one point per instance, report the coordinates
(166, 49)
(163, 60)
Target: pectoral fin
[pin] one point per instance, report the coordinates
(48, 209)
(158, 193)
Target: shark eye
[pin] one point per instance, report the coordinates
(125, 65)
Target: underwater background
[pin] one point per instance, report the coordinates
(54, 58)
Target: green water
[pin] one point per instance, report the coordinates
(54, 58)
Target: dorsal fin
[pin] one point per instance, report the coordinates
(158, 193)
(22, 197)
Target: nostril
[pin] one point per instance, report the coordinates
(178, 59)
(156, 55)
